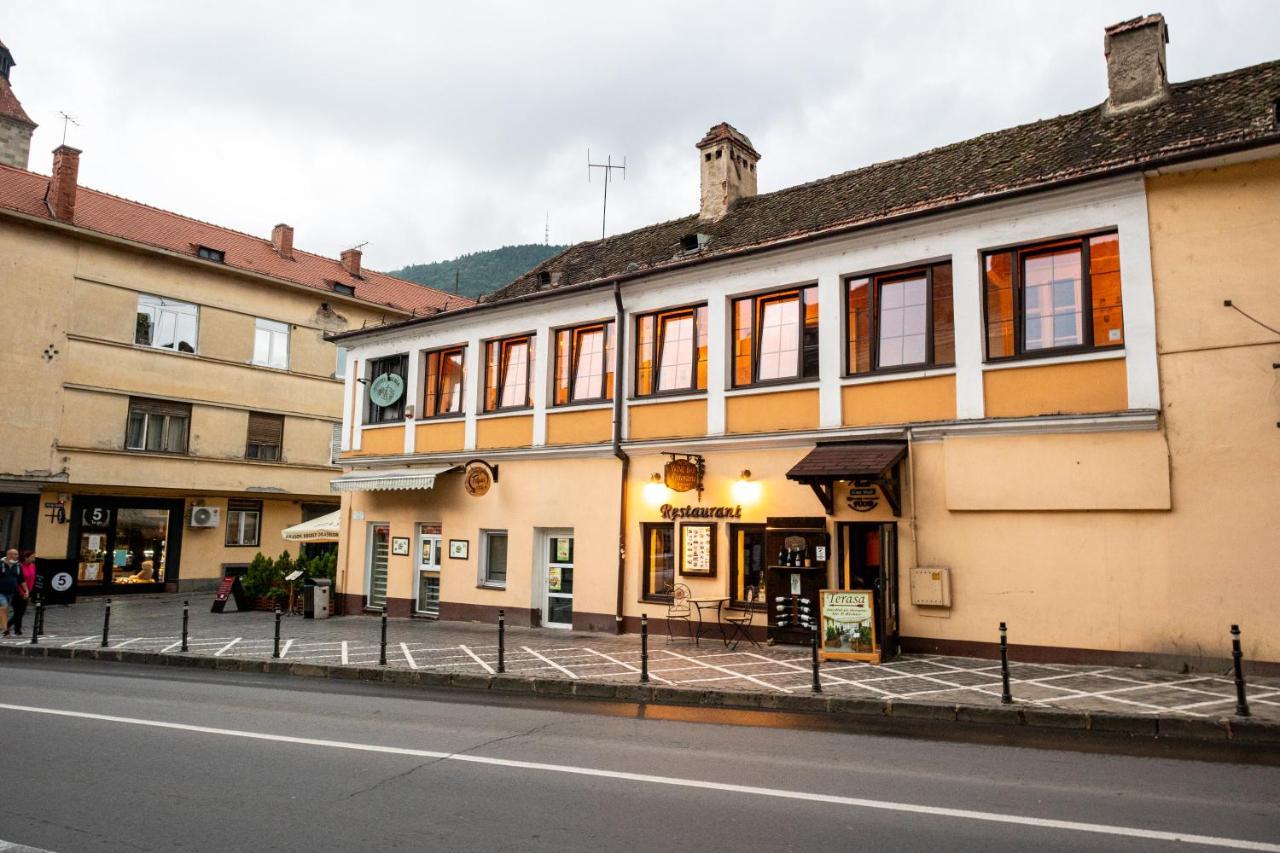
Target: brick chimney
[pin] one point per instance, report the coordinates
(728, 170)
(1137, 75)
(351, 262)
(282, 240)
(61, 195)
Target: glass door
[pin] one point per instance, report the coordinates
(558, 608)
(428, 598)
(869, 560)
(379, 548)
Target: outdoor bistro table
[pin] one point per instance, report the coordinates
(712, 603)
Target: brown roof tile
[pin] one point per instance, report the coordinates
(9, 104)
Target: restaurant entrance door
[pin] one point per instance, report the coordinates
(868, 555)
(557, 559)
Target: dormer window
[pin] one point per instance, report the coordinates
(690, 243)
(544, 278)
(216, 255)
(344, 289)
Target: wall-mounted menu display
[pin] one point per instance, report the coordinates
(698, 549)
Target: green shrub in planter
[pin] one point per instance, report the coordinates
(257, 579)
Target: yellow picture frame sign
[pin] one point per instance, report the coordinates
(847, 625)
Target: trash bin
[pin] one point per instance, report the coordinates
(315, 598)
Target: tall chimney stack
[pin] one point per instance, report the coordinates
(728, 170)
(61, 195)
(351, 261)
(282, 240)
(1137, 75)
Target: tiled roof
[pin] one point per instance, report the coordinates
(9, 105)
(848, 460)
(1200, 117)
(24, 192)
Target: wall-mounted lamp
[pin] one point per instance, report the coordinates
(746, 490)
(655, 491)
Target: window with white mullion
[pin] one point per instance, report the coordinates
(271, 344)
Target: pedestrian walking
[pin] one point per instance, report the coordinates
(10, 580)
(26, 590)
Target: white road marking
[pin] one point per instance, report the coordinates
(549, 661)
(477, 659)
(413, 664)
(741, 675)
(227, 647)
(171, 647)
(345, 653)
(81, 640)
(284, 650)
(612, 659)
(11, 847)
(124, 643)
(677, 782)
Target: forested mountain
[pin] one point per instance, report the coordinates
(478, 273)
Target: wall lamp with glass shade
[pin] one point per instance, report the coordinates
(746, 490)
(655, 491)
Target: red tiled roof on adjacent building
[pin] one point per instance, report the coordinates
(10, 107)
(24, 192)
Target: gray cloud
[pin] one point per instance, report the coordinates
(434, 129)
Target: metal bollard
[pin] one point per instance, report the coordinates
(40, 615)
(644, 648)
(106, 623)
(502, 640)
(35, 624)
(186, 618)
(1242, 703)
(817, 681)
(1006, 697)
(382, 657)
(275, 652)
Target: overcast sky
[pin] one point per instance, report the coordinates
(431, 129)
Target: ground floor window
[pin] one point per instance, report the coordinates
(746, 562)
(244, 520)
(659, 554)
(493, 558)
(124, 544)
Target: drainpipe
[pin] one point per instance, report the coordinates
(619, 386)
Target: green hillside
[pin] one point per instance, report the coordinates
(478, 273)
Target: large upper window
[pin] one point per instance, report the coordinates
(159, 426)
(385, 397)
(271, 343)
(1052, 297)
(508, 373)
(901, 320)
(775, 336)
(584, 364)
(671, 351)
(442, 394)
(166, 323)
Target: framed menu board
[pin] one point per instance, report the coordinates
(848, 625)
(698, 549)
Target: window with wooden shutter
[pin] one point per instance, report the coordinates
(158, 426)
(266, 437)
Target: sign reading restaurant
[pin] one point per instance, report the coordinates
(671, 513)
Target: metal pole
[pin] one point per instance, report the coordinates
(35, 623)
(106, 623)
(382, 657)
(186, 616)
(275, 652)
(502, 640)
(644, 648)
(1006, 697)
(817, 682)
(40, 614)
(1242, 703)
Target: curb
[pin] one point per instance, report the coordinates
(1197, 731)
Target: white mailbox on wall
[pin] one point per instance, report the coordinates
(931, 586)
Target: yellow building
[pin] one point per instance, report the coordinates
(1012, 379)
(170, 400)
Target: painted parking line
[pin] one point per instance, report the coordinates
(345, 652)
(550, 661)
(284, 650)
(220, 652)
(81, 640)
(628, 666)
(413, 664)
(727, 671)
(478, 659)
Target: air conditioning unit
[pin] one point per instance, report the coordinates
(205, 516)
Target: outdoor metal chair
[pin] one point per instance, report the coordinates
(679, 609)
(740, 622)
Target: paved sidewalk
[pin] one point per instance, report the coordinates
(153, 624)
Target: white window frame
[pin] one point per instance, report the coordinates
(277, 340)
(159, 308)
(482, 564)
(340, 371)
(236, 517)
(161, 422)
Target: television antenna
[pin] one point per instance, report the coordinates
(609, 168)
(66, 120)
(546, 229)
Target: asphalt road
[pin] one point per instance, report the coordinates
(158, 759)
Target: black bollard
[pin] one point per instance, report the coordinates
(502, 640)
(35, 624)
(1006, 697)
(39, 615)
(186, 616)
(106, 623)
(382, 658)
(1242, 703)
(644, 648)
(817, 681)
(275, 652)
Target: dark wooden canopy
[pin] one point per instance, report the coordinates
(869, 461)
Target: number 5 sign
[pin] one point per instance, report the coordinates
(96, 516)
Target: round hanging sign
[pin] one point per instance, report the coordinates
(681, 475)
(477, 481)
(386, 389)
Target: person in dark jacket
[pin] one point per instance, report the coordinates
(10, 583)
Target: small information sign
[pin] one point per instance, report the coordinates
(848, 622)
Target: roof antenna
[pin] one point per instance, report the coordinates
(67, 119)
(609, 168)
(546, 229)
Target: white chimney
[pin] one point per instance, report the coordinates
(728, 170)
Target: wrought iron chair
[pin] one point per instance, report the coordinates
(679, 609)
(740, 622)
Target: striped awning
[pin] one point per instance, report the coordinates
(322, 529)
(389, 479)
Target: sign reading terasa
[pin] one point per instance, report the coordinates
(849, 625)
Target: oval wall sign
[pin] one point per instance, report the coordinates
(386, 389)
(477, 481)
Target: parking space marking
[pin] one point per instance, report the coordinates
(220, 652)
(550, 661)
(750, 678)
(478, 659)
(413, 664)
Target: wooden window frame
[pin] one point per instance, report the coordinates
(373, 414)
(658, 317)
(646, 594)
(758, 302)
(875, 281)
(1020, 251)
(504, 344)
(733, 529)
(608, 380)
(431, 390)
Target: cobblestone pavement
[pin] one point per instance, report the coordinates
(153, 623)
